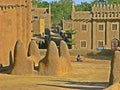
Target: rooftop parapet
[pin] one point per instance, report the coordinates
(4, 7)
(81, 15)
(106, 8)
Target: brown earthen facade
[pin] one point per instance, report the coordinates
(41, 20)
(15, 24)
(95, 29)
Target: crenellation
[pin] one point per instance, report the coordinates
(111, 6)
(100, 6)
(93, 8)
(115, 5)
(108, 7)
(105, 8)
(105, 11)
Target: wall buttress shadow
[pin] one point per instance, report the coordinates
(7, 69)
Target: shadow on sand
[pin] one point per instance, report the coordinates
(79, 85)
(7, 69)
(105, 54)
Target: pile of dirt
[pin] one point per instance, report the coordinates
(34, 53)
(22, 65)
(53, 64)
(115, 69)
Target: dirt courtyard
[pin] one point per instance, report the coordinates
(87, 75)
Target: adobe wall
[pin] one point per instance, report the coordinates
(8, 34)
(82, 35)
(42, 22)
(15, 24)
(97, 34)
(28, 22)
(67, 24)
(115, 69)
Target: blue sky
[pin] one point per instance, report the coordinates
(76, 1)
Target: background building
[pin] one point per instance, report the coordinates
(42, 20)
(96, 29)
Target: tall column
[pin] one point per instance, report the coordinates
(108, 45)
(94, 34)
(105, 33)
(5, 31)
(13, 28)
(19, 23)
(29, 24)
(1, 36)
(24, 25)
(119, 30)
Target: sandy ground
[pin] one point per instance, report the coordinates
(87, 75)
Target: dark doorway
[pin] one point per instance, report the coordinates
(114, 44)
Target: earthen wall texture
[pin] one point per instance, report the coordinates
(42, 14)
(33, 52)
(15, 24)
(55, 63)
(22, 64)
(115, 70)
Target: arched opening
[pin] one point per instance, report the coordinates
(115, 44)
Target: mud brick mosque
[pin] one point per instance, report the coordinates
(19, 54)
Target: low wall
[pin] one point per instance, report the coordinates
(84, 52)
(72, 52)
(75, 52)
